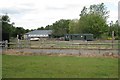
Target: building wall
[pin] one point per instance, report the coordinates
(79, 37)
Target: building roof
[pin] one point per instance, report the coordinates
(80, 34)
(42, 32)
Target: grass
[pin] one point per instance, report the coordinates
(58, 67)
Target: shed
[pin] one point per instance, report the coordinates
(39, 34)
(88, 37)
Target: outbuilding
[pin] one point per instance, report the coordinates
(88, 37)
(38, 34)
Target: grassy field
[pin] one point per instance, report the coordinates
(59, 67)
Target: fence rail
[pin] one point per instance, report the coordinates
(59, 45)
(68, 47)
(4, 43)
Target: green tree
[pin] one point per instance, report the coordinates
(93, 20)
(99, 9)
(6, 26)
(84, 11)
(27, 30)
(116, 28)
(60, 28)
(73, 26)
(48, 27)
(10, 29)
(19, 30)
(41, 28)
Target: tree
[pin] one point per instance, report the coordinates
(99, 9)
(19, 30)
(6, 27)
(60, 28)
(94, 24)
(116, 28)
(84, 11)
(27, 30)
(48, 27)
(73, 26)
(93, 20)
(9, 30)
(41, 28)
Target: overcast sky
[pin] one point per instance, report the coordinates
(32, 14)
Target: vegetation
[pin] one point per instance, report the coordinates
(60, 28)
(58, 67)
(92, 20)
(10, 29)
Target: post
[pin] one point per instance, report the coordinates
(86, 44)
(112, 38)
(27, 41)
(18, 43)
(99, 49)
(6, 44)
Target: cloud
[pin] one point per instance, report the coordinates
(44, 12)
(55, 8)
(15, 10)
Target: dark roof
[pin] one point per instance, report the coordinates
(79, 34)
(43, 32)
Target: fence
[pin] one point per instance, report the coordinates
(68, 47)
(4, 44)
(17, 44)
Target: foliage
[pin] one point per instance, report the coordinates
(93, 20)
(41, 28)
(19, 30)
(6, 26)
(10, 29)
(114, 27)
(48, 27)
(93, 23)
(99, 9)
(60, 28)
(73, 26)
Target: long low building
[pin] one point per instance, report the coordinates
(38, 34)
(88, 37)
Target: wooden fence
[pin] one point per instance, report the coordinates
(53, 46)
(20, 44)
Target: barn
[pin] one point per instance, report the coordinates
(88, 37)
(38, 34)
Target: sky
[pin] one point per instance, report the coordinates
(31, 14)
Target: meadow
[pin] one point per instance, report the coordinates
(58, 67)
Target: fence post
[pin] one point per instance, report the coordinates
(112, 38)
(27, 41)
(18, 41)
(99, 49)
(86, 44)
(6, 44)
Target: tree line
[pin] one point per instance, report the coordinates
(92, 20)
(9, 30)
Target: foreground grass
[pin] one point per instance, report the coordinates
(58, 67)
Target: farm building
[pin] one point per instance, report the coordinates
(38, 34)
(88, 37)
